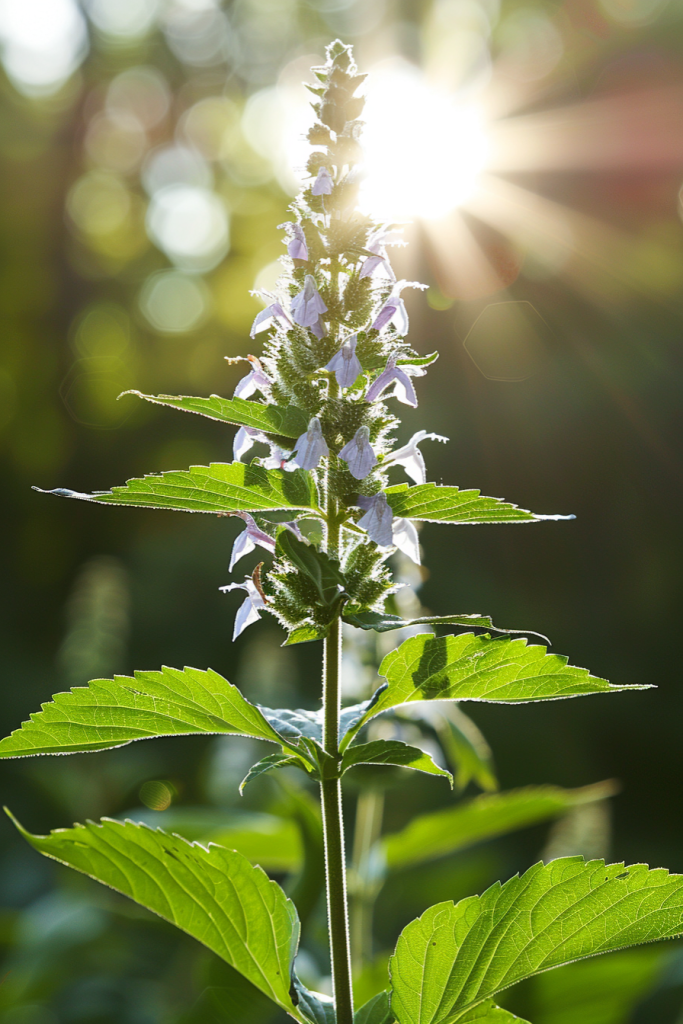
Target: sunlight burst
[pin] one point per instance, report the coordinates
(425, 149)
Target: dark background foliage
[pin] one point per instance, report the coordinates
(593, 429)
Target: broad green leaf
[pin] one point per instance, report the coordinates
(306, 634)
(375, 1011)
(110, 712)
(468, 667)
(214, 894)
(472, 821)
(382, 622)
(271, 419)
(466, 748)
(322, 570)
(456, 956)
(392, 752)
(220, 487)
(269, 764)
(316, 1007)
(436, 503)
(489, 1013)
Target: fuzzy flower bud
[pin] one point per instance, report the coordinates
(378, 519)
(358, 454)
(346, 364)
(404, 390)
(322, 186)
(308, 306)
(296, 244)
(311, 446)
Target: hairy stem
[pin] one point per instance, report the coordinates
(331, 796)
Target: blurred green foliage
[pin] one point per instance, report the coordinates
(103, 289)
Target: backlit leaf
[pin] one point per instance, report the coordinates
(271, 419)
(437, 503)
(392, 752)
(456, 956)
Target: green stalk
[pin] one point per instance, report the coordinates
(331, 796)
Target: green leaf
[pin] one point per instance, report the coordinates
(468, 667)
(436, 503)
(489, 1013)
(220, 487)
(392, 752)
(456, 956)
(382, 622)
(270, 764)
(467, 749)
(111, 712)
(455, 828)
(315, 1007)
(306, 634)
(375, 1011)
(215, 895)
(271, 419)
(322, 570)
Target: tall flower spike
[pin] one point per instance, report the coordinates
(308, 306)
(404, 390)
(296, 243)
(255, 380)
(322, 186)
(358, 454)
(248, 539)
(311, 447)
(346, 364)
(411, 458)
(378, 519)
(265, 318)
(249, 611)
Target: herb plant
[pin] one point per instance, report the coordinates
(320, 503)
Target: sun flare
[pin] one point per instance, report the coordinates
(425, 149)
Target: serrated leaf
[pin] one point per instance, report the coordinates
(489, 1013)
(322, 570)
(270, 764)
(459, 955)
(455, 828)
(468, 667)
(315, 1007)
(220, 487)
(214, 894)
(392, 752)
(466, 747)
(111, 712)
(375, 1011)
(438, 503)
(271, 419)
(306, 634)
(293, 724)
(382, 622)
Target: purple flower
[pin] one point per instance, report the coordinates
(277, 459)
(378, 518)
(405, 538)
(296, 245)
(265, 318)
(248, 539)
(311, 446)
(245, 438)
(411, 458)
(376, 244)
(358, 454)
(308, 306)
(255, 380)
(393, 311)
(346, 364)
(404, 390)
(249, 610)
(322, 186)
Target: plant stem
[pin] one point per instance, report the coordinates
(331, 796)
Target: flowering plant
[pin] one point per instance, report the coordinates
(319, 500)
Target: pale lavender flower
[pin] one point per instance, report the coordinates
(358, 454)
(308, 306)
(394, 310)
(296, 244)
(311, 447)
(249, 611)
(405, 538)
(318, 328)
(248, 539)
(322, 186)
(378, 519)
(245, 438)
(346, 364)
(265, 318)
(411, 458)
(404, 390)
(277, 459)
(255, 380)
(377, 243)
